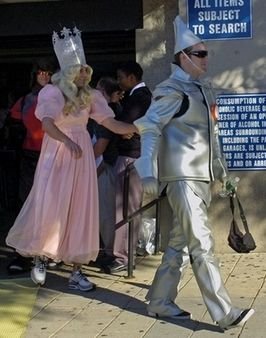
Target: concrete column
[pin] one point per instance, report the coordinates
(155, 42)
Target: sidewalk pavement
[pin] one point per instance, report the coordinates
(117, 308)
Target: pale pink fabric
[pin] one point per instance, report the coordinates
(60, 216)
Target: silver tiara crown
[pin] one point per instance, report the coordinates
(68, 47)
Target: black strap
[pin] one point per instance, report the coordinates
(241, 211)
(185, 103)
(203, 96)
(184, 106)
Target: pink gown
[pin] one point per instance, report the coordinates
(60, 217)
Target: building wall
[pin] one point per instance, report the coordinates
(155, 42)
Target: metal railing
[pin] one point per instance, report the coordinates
(129, 219)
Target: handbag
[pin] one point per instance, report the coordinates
(238, 241)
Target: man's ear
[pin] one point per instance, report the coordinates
(182, 57)
(132, 78)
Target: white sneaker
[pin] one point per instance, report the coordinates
(38, 272)
(78, 281)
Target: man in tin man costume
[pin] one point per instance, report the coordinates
(179, 135)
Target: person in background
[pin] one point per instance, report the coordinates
(135, 104)
(181, 128)
(106, 146)
(23, 113)
(60, 217)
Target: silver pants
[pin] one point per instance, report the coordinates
(191, 233)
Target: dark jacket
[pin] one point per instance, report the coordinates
(134, 107)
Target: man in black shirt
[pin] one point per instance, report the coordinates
(135, 104)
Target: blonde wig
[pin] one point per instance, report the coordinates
(76, 98)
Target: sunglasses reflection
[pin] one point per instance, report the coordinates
(199, 53)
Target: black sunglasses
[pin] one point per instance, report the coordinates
(199, 53)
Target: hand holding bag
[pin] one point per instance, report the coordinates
(242, 243)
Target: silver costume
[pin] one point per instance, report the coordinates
(184, 153)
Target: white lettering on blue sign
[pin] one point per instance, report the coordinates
(220, 19)
(242, 130)
(228, 28)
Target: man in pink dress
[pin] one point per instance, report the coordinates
(60, 218)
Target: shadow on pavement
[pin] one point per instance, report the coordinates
(124, 302)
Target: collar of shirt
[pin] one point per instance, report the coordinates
(141, 84)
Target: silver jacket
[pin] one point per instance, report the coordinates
(185, 147)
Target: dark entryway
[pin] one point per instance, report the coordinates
(104, 51)
(108, 34)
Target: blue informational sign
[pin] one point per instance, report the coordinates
(220, 19)
(242, 130)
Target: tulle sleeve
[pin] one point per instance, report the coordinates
(99, 107)
(50, 103)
